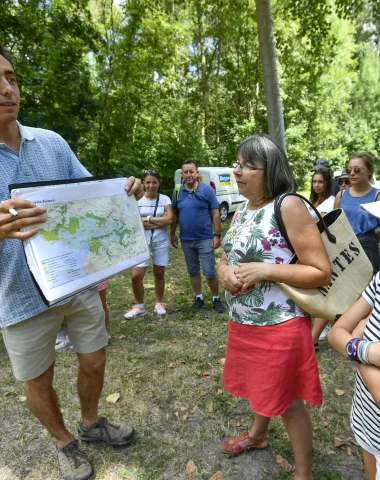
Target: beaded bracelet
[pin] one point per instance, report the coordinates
(363, 351)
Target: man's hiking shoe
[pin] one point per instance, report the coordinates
(134, 312)
(74, 463)
(218, 306)
(104, 431)
(198, 303)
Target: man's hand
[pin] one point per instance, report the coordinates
(174, 240)
(133, 186)
(215, 243)
(10, 225)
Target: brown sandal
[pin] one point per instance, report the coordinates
(233, 446)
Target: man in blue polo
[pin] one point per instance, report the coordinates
(29, 327)
(197, 211)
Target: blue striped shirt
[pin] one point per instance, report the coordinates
(43, 156)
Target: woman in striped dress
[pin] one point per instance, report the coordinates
(359, 340)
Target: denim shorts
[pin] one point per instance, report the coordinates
(199, 252)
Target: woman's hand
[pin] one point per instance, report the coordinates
(228, 278)
(249, 274)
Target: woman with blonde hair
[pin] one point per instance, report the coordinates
(360, 170)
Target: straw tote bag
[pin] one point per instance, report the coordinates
(350, 267)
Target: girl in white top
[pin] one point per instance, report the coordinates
(156, 213)
(321, 195)
(323, 200)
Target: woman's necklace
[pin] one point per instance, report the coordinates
(255, 211)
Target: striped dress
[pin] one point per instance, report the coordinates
(365, 414)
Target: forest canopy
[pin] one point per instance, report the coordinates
(142, 84)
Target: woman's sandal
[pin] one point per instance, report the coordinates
(233, 447)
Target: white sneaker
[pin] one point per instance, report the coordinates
(160, 309)
(324, 333)
(135, 311)
(66, 344)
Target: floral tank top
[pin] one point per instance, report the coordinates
(255, 237)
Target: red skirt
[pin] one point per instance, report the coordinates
(272, 365)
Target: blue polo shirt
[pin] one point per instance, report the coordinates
(194, 212)
(43, 156)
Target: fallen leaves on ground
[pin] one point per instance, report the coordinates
(173, 365)
(349, 451)
(191, 468)
(339, 443)
(113, 398)
(219, 391)
(217, 476)
(283, 463)
(22, 398)
(121, 337)
(206, 374)
(222, 361)
(339, 392)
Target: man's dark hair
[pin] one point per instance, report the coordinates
(190, 160)
(6, 55)
(265, 150)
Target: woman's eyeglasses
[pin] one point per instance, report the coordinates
(342, 182)
(244, 166)
(355, 169)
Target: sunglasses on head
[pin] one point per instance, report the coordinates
(342, 182)
(322, 162)
(355, 169)
(150, 172)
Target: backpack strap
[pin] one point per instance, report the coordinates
(177, 190)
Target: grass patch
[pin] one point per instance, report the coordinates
(168, 373)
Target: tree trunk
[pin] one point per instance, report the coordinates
(204, 81)
(271, 82)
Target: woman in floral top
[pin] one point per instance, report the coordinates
(270, 355)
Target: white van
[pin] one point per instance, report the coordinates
(222, 180)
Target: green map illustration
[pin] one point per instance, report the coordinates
(98, 233)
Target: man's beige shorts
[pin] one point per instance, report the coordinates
(31, 343)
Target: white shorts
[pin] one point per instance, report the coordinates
(160, 253)
(371, 450)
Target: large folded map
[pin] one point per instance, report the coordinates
(93, 231)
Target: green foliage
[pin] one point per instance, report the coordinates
(145, 84)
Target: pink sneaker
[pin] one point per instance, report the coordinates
(135, 311)
(160, 309)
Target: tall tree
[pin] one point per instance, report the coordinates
(269, 63)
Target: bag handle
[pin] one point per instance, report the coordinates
(278, 216)
(154, 214)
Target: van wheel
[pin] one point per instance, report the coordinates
(223, 209)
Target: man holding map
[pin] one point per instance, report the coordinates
(29, 326)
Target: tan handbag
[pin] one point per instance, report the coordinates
(350, 267)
